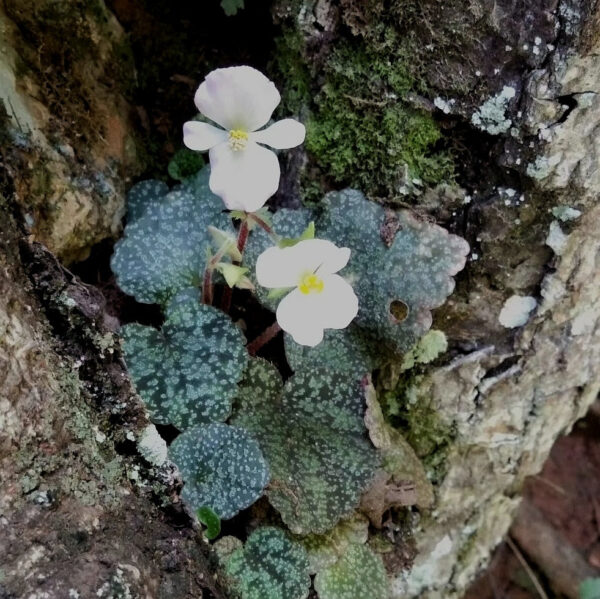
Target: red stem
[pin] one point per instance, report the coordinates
(267, 335)
(207, 288)
(242, 236)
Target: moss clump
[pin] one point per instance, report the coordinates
(406, 409)
(361, 130)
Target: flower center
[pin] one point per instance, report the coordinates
(311, 282)
(237, 139)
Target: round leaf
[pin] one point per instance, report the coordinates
(186, 373)
(222, 468)
(270, 566)
(163, 250)
(312, 434)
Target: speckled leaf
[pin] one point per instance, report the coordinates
(325, 550)
(359, 574)
(312, 435)
(346, 350)
(222, 468)
(143, 195)
(269, 566)
(416, 269)
(413, 266)
(163, 250)
(187, 372)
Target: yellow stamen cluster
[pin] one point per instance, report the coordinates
(311, 283)
(237, 139)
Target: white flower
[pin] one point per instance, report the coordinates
(241, 100)
(320, 299)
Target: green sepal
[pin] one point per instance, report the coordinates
(308, 233)
(234, 275)
(279, 292)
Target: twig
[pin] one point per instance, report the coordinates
(536, 583)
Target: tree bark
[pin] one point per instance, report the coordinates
(82, 511)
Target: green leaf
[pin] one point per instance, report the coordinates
(309, 233)
(233, 274)
(325, 550)
(411, 271)
(212, 522)
(311, 432)
(590, 589)
(345, 350)
(222, 468)
(187, 372)
(358, 574)
(163, 250)
(230, 7)
(269, 566)
(142, 195)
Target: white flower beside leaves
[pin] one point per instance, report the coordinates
(241, 100)
(318, 298)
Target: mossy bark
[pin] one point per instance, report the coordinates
(480, 115)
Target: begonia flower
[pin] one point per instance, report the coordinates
(241, 100)
(318, 298)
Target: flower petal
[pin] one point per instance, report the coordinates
(202, 136)
(284, 267)
(237, 98)
(296, 316)
(337, 304)
(284, 134)
(244, 179)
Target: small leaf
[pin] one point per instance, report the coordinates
(163, 250)
(233, 274)
(590, 589)
(230, 7)
(309, 233)
(225, 239)
(187, 372)
(222, 467)
(269, 566)
(311, 432)
(212, 522)
(359, 574)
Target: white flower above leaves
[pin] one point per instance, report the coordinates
(241, 100)
(318, 299)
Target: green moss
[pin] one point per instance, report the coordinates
(289, 63)
(361, 130)
(406, 409)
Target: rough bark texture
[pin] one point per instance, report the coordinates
(80, 509)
